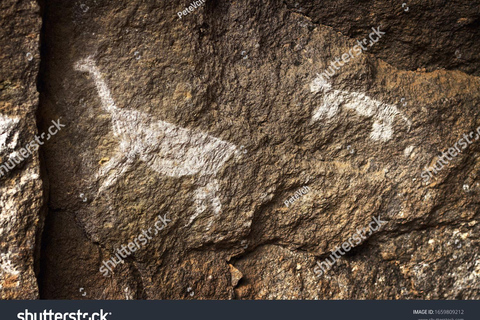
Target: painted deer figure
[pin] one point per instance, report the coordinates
(383, 113)
(166, 148)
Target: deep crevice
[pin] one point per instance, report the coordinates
(40, 243)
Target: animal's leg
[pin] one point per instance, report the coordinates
(205, 195)
(383, 126)
(213, 188)
(215, 201)
(200, 204)
(122, 162)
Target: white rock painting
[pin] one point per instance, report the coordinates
(9, 204)
(8, 270)
(6, 264)
(382, 113)
(7, 124)
(166, 148)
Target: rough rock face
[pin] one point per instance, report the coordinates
(430, 34)
(216, 150)
(21, 191)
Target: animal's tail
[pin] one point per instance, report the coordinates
(388, 113)
(89, 65)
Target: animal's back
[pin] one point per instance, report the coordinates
(186, 152)
(170, 149)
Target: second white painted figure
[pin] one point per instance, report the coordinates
(382, 113)
(166, 148)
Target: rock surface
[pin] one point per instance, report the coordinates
(21, 188)
(216, 119)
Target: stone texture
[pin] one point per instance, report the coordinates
(208, 120)
(422, 34)
(21, 188)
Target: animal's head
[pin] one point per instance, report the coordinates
(320, 84)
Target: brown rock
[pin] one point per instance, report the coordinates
(236, 275)
(215, 122)
(21, 188)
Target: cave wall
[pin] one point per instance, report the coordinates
(209, 122)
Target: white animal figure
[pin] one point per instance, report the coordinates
(166, 148)
(383, 113)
